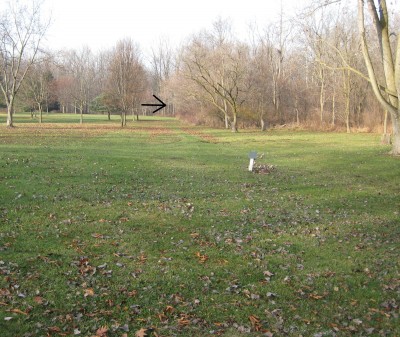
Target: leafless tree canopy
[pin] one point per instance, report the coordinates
(334, 65)
(21, 32)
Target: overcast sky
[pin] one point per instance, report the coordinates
(99, 24)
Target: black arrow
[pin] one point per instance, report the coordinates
(162, 105)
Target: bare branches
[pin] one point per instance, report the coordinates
(217, 65)
(127, 78)
(21, 33)
(370, 68)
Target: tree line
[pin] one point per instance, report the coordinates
(330, 66)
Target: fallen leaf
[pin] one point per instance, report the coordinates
(169, 309)
(132, 293)
(315, 296)
(183, 321)
(54, 329)
(38, 299)
(98, 235)
(102, 331)
(17, 311)
(202, 258)
(142, 258)
(141, 333)
(89, 292)
(254, 320)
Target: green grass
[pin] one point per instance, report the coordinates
(160, 225)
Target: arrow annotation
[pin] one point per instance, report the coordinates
(162, 105)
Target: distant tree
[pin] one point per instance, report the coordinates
(81, 68)
(162, 64)
(38, 87)
(63, 88)
(21, 33)
(127, 79)
(218, 66)
(317, 29)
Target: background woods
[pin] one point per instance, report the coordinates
(308, 70)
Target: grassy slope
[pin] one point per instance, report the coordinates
(160, 225)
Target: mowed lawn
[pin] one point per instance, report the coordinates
(158, 229)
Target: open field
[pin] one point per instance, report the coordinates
(159, 226)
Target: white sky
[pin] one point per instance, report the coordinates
(99, 24)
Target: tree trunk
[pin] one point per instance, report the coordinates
(396, 135)
(333, 109)
(226, 114)
(385, 139)
(123, 119)
(10, 114)
(296, 109)
(322, 100)
(347, 113)
(40, 113)
(263, 125)
(234, 124)
(383, 36)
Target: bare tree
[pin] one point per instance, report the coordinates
(162, 63)
(218, 67)
(316, 27)
(388, 93)
(127, 78)
(162, 66)
(21, 33)
(38, 86)
(81, 68)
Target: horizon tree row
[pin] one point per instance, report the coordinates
(323, 68)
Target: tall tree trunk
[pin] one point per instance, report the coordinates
(226, 114)
(262, 121)
(234, 127)
(263, 125)
(322, 98)
(392, 78)
(396, 135)
(333, 109)
(10, 114)
(385, 139)
(40, 113)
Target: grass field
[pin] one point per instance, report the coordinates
(159, 228)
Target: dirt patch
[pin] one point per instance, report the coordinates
(159, 131)
(203, 136)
